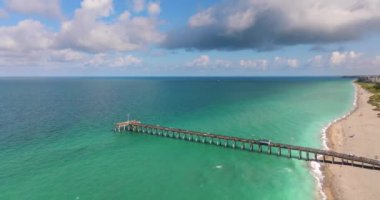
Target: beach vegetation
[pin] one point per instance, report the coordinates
(374, 88)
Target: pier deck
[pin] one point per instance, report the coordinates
(262, 146)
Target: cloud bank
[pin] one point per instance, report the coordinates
(87, 35)
(270, 24)
(50, 8)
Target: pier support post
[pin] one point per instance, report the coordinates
(319, 155)
(269, 149)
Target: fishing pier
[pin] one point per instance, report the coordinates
(262, 146)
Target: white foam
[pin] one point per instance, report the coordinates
(218, 166)
(315, 166)
(317, 174)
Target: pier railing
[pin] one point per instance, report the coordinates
(261, 146)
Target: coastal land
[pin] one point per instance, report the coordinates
(359, 134)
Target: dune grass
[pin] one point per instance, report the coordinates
(374, 88)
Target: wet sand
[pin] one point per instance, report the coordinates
(359, 134)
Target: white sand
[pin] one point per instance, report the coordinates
(359, 133)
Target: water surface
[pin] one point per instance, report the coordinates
(56, 140)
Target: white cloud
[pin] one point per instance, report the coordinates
(282, 61)
(138, 5)
(259, 64)
(154, 8)
(338, 58)
(223, 63)
(124, 61)
(67, 55)
(101, 8)
(88, 37)
(292, 63)
(376, 61)
(202, 18)
(48, 58)
(203, 60)
(106, 60)
(248, 63)
(47, 8)
(263, 63)
(89, 33)
(316, 61)
(241, 20)
(27, 35)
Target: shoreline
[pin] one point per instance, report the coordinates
(318, 170)
(352, 132)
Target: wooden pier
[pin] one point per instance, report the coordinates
(261, 146)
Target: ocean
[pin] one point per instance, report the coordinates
(56, 138)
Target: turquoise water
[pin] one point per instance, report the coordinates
(56, 140)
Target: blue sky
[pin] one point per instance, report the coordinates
(189, 38)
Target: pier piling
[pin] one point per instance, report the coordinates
(346, 159)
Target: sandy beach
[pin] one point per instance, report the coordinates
(358, 133)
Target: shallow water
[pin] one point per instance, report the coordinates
(56, 140)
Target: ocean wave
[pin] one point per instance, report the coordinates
(315, 166)
(318, 175)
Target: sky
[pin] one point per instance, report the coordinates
(189, 37)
